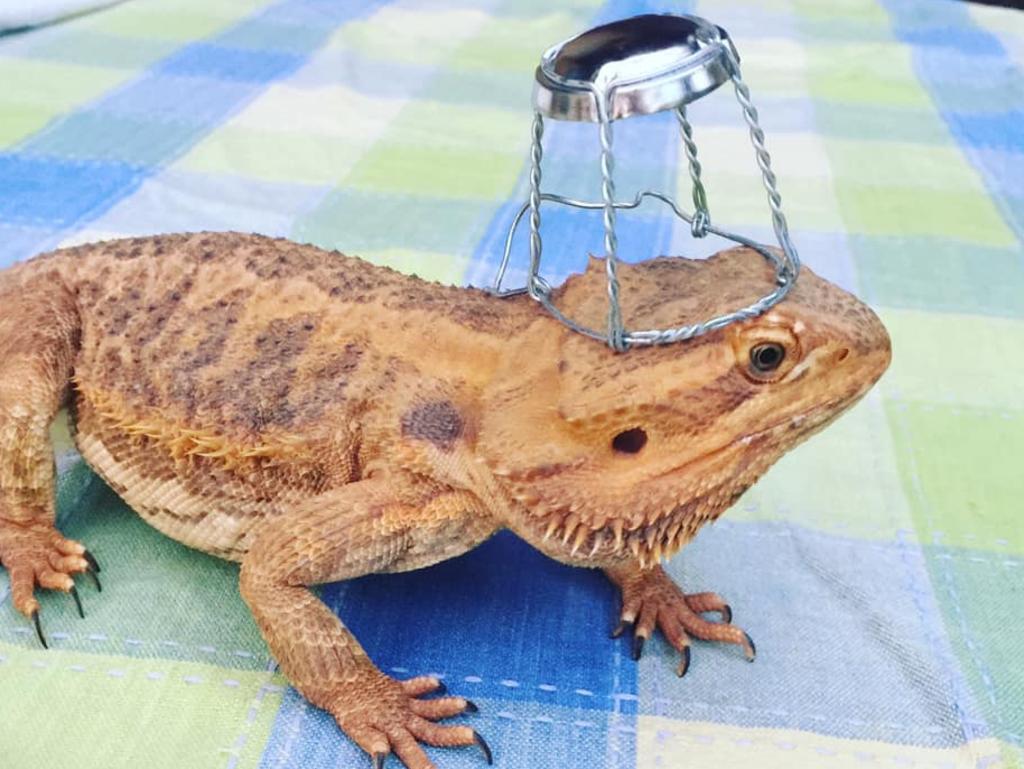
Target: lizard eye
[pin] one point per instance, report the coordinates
(765, 358)
(630, 441)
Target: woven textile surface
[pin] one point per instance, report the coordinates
(880, 567)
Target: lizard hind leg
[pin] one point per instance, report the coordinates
(39, 331)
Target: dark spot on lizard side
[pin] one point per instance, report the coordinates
(274, 259)
(147, 322)
(438, 422)
(283, 340)
(218, 318)
(328, 382)
(262, 398)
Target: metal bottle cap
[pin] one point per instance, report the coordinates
(655, 62)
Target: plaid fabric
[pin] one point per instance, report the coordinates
(880, 568)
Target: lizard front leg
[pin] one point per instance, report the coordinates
(651, 599)
(39, 332)
(379, 524)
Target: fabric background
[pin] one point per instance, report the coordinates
(880, 568)
(17, 14)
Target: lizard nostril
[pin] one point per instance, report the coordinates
(842, 355)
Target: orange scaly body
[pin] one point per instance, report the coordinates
(318, 418)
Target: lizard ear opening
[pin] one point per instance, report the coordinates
(630, 441)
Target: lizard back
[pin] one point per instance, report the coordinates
(224, 377)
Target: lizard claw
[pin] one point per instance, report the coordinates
(638, 646)
(78, 601)
(684, 663)
(39, 629)
(96, 580)
(37, 556)
(622, 627)
(92, 561)
(93, 570)
(651, 600)
(393, 717)
(483, 746)
(749, 648)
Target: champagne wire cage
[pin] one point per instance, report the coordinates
(633, 67)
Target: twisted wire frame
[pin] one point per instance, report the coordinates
(787, 266)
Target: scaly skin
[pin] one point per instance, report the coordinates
(317, 418)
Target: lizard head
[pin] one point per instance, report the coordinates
(609, 456)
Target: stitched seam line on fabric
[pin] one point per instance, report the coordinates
(783, 530)
(252, 713)
(61, 635)
(862, 756)
(151, 675)
(231, 683)
(694, 703)
(948, 579)
(921, 599)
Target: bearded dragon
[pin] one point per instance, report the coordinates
(316, 418)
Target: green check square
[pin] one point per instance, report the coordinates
(201, 617)
(940, 274)
(856, 491)
(186, 22)
(511, 43)
(54, 85)
(465, 174)
(884, 209)
(981, 595)
(460, 127)
(903, 164)
(844, 29)
(583, 10)
(22, 120)
(64, 708)
(1012, 755)
(274, 156)
(841, 11)
(98, 135)
(893, 122)
(867, 73)
(357, 222)
(740, 200)
(83, 46)
(955, 359)
(502, 90)
(398, 32)
(961, 470)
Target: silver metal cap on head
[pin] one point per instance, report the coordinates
(640, 66)
(655, 63)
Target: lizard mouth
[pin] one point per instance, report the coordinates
(807, 423)
(661, 538)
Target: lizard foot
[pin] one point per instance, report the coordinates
(651, 599)
(36, 554)
(389, 717)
